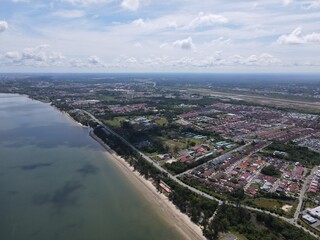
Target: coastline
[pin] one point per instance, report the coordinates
(162, 205)
(166, 209)
(72, 119)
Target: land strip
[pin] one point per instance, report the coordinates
(268, 101)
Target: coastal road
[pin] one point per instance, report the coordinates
(151, 161)
(174, 178)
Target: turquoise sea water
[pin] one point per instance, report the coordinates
(55, 182)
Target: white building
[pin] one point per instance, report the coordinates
(314, 212)
(309, 219)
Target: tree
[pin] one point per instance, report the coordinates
(238, 195)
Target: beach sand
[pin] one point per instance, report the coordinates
(163, 206)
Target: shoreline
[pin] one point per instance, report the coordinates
(159, 202)
(165, 209)
(163, 206)
(71, 118)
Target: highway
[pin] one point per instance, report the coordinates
(174, 178)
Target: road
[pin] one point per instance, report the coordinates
(302, 193)
(174, 178)
(221, 157)
(152, 162)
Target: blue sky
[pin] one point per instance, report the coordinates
(155, 36)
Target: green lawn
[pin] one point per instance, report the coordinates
(162, 121)
(273, 205)
(309, 204)
(116, 122)
(230, 235)
(105, 98)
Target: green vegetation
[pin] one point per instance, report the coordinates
(176, 167)
(271, 171)
(273, 205)
(106, 98)
(115, 122)
(198, 208)
(309, 204)
(203, 188)
(296, 153)
(232, 235)
(162, 121)
(253, 226)
(307, 226)
(179, 167)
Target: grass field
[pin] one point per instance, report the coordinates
(105, 98)
(273, 205)
(162, 121)
(231, 235)
(116, 122)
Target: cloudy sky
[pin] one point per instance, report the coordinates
(155, 36)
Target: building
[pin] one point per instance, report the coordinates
(309, 219)
(164, 188)
(314, 212)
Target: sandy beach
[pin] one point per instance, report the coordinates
(162, 205)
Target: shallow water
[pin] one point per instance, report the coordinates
(56, 183)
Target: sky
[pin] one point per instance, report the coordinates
(160, 36)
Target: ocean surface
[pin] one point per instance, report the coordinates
(56, 183)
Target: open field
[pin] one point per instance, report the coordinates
(274, 205)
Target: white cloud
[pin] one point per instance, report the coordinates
(69, 14)
(55, 57)
(217, 59)
(131, 5)
(311, 4)
(3, 26)
(287, 2)
(207, 20)
(95, 61)
(20, 1)
(38, 56)
(131, 60)
(185, 44)
(296, 37)
(139, 22)
(268, 59)
(237, 59)
(172, 24)
(14, 56)
(264, 59)
(312, 37)
(221, 41)
(77, 63)
(86, 2)
(137, 45)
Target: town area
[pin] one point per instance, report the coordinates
(257, 156)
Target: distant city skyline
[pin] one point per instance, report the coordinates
(154, 36)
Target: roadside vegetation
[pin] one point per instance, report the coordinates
(252, 225)
(281, 207)
(271, 171)
(296, 153)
